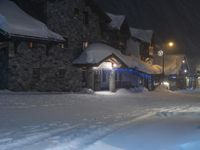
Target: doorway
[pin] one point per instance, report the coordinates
(3, 67)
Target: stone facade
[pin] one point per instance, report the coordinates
(39, 66)
(42, 68)
(75, 21)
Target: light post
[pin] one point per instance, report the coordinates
(161, 53)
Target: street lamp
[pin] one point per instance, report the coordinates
(171, 44)
(161, 53)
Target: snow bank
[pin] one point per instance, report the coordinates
(162, 88)
(16, 22)
(139, 90)
(123, 92)
(87, 91)
(143, 35)
(132, 91)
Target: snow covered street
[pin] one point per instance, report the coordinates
(60, 121)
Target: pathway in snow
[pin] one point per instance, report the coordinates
(74, 121)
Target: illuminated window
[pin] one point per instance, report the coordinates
(30, 45)
(61, 45)
(85, 45)
(76, 12)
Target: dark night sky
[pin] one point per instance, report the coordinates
(177, 20)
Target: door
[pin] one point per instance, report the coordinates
(105, 77)
(3, 67)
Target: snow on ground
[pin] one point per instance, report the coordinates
(173, 133)
(61, 121)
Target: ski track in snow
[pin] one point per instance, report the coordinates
(75, 121)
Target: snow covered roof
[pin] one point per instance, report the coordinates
(15, 22)
(98, 52)
(116, 20)
(173, 63)
(143, 35)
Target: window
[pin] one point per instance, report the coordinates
(104, 75)
(66, 42)
(16, 44)
(61, 73)
(61, 45)
(30, 45)
(85, 44)
(36, 73)
(76, 12)
(85, 17)
(13, 46)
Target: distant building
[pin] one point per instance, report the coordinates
(194, 72)
(176, 70)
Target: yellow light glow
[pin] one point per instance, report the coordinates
(114, 65)
(166, 84)
(171, 44)
(183, 61)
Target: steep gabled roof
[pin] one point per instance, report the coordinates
(116, 20)
(98, 52)
(143, 35)
(16, 23)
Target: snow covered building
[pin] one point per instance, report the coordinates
(116, 32)
(106, 68)
(29, 52)
(176, 70)
(38, 58)
(140, 44)
(194, 72)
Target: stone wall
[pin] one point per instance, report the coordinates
(66, 17)
(33, 69)
(44, 68)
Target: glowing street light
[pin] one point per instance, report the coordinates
(185, 71)
(171, 44)
(161, 53)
